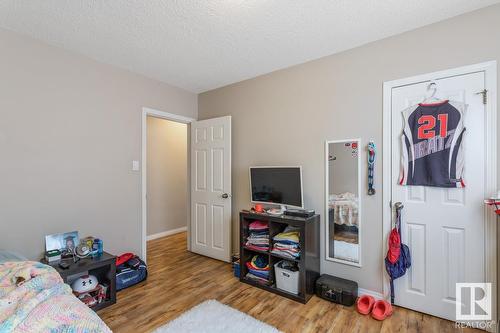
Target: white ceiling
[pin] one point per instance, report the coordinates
(205, 44)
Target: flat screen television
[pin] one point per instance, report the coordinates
(277, 185)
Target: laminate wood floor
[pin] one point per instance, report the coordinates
(179, 280)
(346, 236)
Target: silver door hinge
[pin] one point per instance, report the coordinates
(484, 92)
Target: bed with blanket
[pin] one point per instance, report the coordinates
(34, 298)
(343, 209)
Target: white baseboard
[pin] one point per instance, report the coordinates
(166, 233)
(375, 294)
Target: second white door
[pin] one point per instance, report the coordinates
(211, 188)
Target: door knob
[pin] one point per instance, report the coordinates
(225, 196)
(398, 205)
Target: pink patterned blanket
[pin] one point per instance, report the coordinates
(34, 298)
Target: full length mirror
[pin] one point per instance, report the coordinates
(343, 209)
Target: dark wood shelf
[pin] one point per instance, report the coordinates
(82, 265)
(103, 267)
(308, 262)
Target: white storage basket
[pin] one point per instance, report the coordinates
(286, 280)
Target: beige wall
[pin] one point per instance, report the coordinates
(338, 97)
(167, 172)
(69, 130)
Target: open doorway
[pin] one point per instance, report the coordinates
(165, 175)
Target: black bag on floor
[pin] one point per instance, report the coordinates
(130, 273)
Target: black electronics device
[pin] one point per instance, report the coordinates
(277, 186)
(305, 213)
(64, 265)
(337, 290)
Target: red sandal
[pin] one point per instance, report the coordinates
(365, 304)
(381, 310)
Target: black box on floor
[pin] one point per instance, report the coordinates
(337, 290)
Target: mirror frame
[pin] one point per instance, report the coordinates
(327, 195)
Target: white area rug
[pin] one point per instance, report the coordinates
(214, 317)
(345, 250)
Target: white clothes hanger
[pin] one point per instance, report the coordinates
(432, 96)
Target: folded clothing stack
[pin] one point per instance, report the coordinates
(286, 243)
(258, 238)
(258, 269)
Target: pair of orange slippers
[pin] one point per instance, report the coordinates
(380, 309)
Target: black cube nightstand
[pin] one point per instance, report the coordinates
(102, 267)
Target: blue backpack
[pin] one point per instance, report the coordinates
(131, 272)
(398, 269)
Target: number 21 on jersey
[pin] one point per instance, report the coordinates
(427, 126)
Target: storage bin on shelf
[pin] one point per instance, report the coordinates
(286, 278)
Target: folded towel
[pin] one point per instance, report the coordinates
(261, 274)
(286, 254)
(256, 278)
(289, 236)
(258, 236)
(287, 242)
(258, 225)
(257, 247)
(258, 241)
(253, 267)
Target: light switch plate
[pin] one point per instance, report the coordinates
(135, 165)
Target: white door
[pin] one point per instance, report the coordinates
(211, 188)
(444, 228)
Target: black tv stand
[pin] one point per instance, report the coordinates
(309, 261)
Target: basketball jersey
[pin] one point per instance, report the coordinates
(432, 145)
